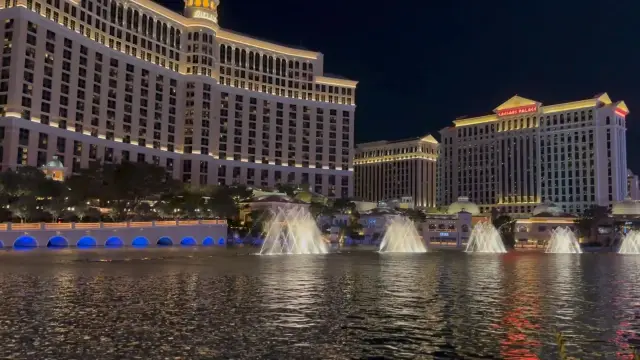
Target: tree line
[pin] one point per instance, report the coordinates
(111, 192)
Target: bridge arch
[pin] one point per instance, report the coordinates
(221, 241)
(140, 241)
(86, 242)
(208, 241)
(57, 242)
(188, 241)
(25, 242)
(114, 242)
(165, 241)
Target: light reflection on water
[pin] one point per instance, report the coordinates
(203, 304)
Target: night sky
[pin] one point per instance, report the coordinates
(421, 64)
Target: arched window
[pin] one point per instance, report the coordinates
(129, 18)
(158, 30)
(222, 53)
(277, 66)
(136, 19)
(229, 55)
(270, 64)
(283, 69)
(164, 33)
(178, 34)
(112, 12)
(265, 63)
(150, 27)
(172, 37)
(236, 57)
(243, 58)
(204, 37)
(256, 63)
(144, 24)
(251, 60)
(120, 14)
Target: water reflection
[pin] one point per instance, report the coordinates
(203, 304)
(520, 322)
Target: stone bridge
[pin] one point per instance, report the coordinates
(134, 234)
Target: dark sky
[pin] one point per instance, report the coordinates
(421, 64)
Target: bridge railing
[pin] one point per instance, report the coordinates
(105, 225)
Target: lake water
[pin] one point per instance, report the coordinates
(215, 304)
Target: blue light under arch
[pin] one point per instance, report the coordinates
(57, 242)
(188, 241)
(140, 241)
(165, 241)
(114, 242)
(208, 241)
(1, 244)
(221, 241)
(25, 242)
(86, 242)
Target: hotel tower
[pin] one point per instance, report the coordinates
(397, 170)
(112, 80)
(524, 153)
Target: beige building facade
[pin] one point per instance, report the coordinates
(113, 80)
(397, 170)
(526, 153)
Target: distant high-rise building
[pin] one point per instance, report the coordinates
(387, 170)
(89, 80)
(572, 154)
(633, 189)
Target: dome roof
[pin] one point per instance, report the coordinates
(548, 208)
(275, 199)
(463, 205)
(626, 207)
(205, 4)
(55, 163)
(381, 211)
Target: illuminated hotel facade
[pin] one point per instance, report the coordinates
(386, 170)
(105, 80)
(524, 154)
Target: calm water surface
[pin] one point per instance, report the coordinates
(220, 304)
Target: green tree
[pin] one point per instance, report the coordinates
(239, 193)
(288, 189)
(24, 208)
(259, 220)
(506, 226)
(417, 216)
(164, 209)
(221, 204)
(55, 207)
(591, 217)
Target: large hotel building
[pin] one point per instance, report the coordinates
(111, 80)
(402, 169)
(524, 153)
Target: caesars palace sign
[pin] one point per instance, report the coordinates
(518, 110)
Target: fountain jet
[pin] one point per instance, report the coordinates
(292, 232)
(485, 238)
(630, 244)
(401, 236)
(563, 241)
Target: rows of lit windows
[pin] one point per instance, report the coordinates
(103, 119)
(396, 151)
(135, 33)
(274, 75)
(298, 136)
